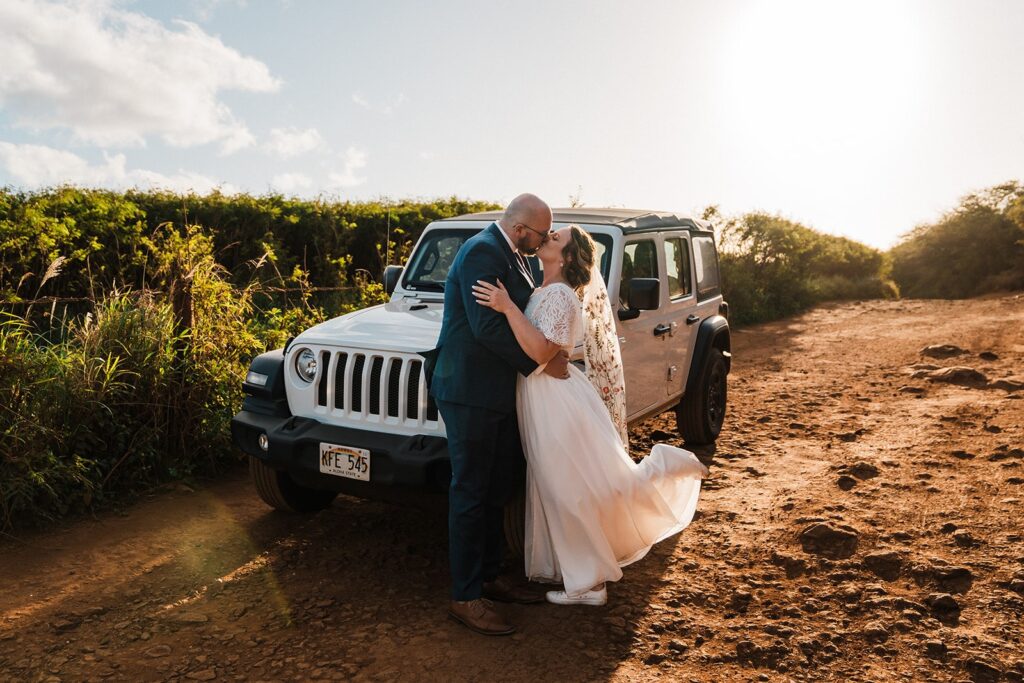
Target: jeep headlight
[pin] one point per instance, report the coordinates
(305, 364)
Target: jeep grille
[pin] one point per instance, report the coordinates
(375, 386)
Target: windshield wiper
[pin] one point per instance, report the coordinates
(426, 285)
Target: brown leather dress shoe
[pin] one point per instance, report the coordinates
(503, 590)
(479, 615)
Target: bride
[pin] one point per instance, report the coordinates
(590, 510)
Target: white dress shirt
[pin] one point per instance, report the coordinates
(540, 368)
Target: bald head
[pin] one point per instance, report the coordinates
(529, 209)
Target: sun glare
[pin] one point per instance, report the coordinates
(812, 82)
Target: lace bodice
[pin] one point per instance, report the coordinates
(556, 311)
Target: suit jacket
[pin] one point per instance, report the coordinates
(477, 355)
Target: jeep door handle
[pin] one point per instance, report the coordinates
(691, 319)
(662, 330)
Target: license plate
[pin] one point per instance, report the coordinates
(345, 461)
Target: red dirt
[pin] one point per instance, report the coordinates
(916, 486)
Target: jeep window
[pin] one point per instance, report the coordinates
(706, 263)
(431, 262)
(639, 259)
(677, 267)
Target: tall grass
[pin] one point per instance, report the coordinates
(140, 389)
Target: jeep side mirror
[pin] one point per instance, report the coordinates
(391, 277)
(644, 293)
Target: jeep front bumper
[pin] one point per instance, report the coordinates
(417, 462)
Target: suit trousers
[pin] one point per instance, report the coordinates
(488, 469)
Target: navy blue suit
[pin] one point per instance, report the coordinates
(472, 375)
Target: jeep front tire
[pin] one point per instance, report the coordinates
(279, 491)
(699, 416)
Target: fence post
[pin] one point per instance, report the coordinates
(183, 311)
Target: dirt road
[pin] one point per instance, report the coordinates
(863, 522)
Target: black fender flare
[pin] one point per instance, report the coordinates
(712, 333)
(268, 398)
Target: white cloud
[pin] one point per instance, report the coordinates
(387, 109)
(114, 77)
(236, 140)
(182, 181)
(291, 183)
(205, 9)
(355, 159)
(34, 166)
(289, 142)
(359, 99)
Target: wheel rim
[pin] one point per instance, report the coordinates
(716, 399)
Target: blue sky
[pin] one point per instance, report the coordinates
(862, 119)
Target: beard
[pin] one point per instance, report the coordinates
(523, 245)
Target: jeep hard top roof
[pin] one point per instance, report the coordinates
(629, 220)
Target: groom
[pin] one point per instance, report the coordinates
(474, 384)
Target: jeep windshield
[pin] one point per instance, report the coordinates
(429, 265)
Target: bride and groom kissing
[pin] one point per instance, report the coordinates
(517, 414)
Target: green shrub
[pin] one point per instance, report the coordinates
(102, 236)
(773, 267)
(976, 248)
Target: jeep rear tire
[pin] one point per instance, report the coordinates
(279, 491)
(699, 416)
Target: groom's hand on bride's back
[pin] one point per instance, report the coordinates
(558, 366)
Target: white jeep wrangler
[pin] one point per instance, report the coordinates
(343, 408)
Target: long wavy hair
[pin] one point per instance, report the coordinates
(578, 253)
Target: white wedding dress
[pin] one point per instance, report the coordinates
(590, 509)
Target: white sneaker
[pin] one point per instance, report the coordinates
(596, 598)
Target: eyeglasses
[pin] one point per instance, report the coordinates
(544, 236)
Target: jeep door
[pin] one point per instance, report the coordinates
(681, 314)
(643, 352)
(706, 274)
